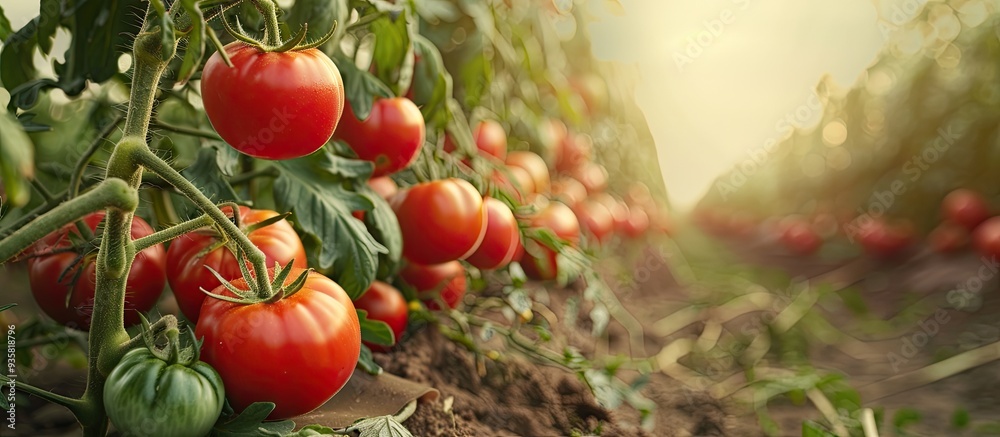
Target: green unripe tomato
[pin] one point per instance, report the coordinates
(147, 396)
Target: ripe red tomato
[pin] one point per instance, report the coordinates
(596, 219)
(390, 137)
(440, 220)
(501, 239)
(569, 191)
(296, 352)
(273, 105)
(386, 304)
(594, 177)
(573, 151)
(490, 139)
(534, 165)
(986, 237)
(619, 210)
(948, 238)
(187, 264)
(801, 239)
(966, 208)
(78, 281)
(560, 220)
(638, 222)
(384, 186)
(445, 281)
(885, 240)
(525, 183)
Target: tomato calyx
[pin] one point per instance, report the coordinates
(255, 295)
(274, 44)
(173, 352)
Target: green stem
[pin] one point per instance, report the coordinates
(73, 404)
(23, 220)
(40, 341)
(46, 195)
(156, 328)
(172, 232)
(269, 10)
(184, 130)
(156, 165)
(88, 154)
(110, 193)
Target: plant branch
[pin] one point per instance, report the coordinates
(73, 404)
(110, 193)
(184, 130)
(156, 165)
(46, 195)
(158, 327)
(172, 232)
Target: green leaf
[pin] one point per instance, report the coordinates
(320, 15)
(16, 160)
(251, 423)
(384, 226)
(49, 15)
(367, 363)
(432, 85)
(959, 418)
(313, 431)
(392, 50)
(195, 50)
(312, 187)
(5, 29)
(905, 417)
(477, 74)
(360, 87)
(17, 58)
(813, 429)
(375, 331)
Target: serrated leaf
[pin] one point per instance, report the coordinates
(384, 226)
(16, 160)
(360, 87)
(382, 426)
(48, 20)
(17, 58)
(367, 363)
(375, 331)
(337, 243)
(313, 431)
(250, 422)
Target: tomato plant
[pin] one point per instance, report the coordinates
(290, 102)
(163, 394)
(490, 138)
(568, 190)
(443, 282)
(501, 238)
(64, 282)
(384, 303)
(190, 256)
(440, 221)
(800, 238)
(596, 219)
(390, 137)
(313, 329)
(886, 240)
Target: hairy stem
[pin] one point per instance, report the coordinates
(88, 154)
(184, 130)
(172, 232)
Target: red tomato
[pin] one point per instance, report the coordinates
(187, 265)
(552, 132)
(525, 182)
(594, 177)
(966, 208)
(573, 151)
(386, 304)
(948, 238)
(619, 210)
(501, 239)
(390, 137)
(273, 105)
(884, 240)
(986, 237)
(638, 222)
(490, 139)
(596, 219)
(440, 220)
(569, 191)
(534, 165)
(297, 352)
(558, 218)
(78, 281)
(445, 281)
(801, 239)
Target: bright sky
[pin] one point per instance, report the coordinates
(747, 63)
